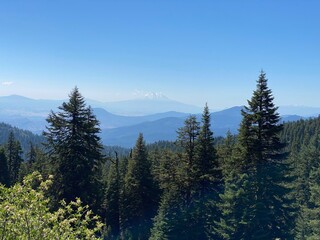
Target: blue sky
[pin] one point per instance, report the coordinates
(191, 51)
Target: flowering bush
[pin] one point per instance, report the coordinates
(24, 214)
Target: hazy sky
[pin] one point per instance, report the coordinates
(191, 51)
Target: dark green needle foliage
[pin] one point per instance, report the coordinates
(264, 202)
(112, 199)
(140, 194)
(4, 172)
(75, 150)
(14, 158)
(191, 183)
(245, 186)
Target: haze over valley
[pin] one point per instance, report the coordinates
(157, 117)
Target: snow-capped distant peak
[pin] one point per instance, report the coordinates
(139, 94)
(155, 96)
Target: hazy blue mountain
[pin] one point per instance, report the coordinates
(291, 118)
(300, 111)
(23, 136)
(109, 120)
(30, 114)
(166, 128)
(33, 124)
(23, 106)
(26, 113)
(228, 119)
(163, 129)
(149, 106)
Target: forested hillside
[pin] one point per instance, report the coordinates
(263, 183)
(24, 137)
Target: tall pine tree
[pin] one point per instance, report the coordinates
(14, 152)
(112, 199)
(140, 194)
(208, 178)
(191, 183)
(75, 150)
(268, 214)
(4, 172)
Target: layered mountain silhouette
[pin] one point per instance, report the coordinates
(122, 130)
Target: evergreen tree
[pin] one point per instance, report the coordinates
(140, 195)
(181, 203)
(313, 222)
(234, 205)
(14, 152)
(188, 139)
(207, 167)
(268, 215)
(112, 200)
(32, 154)
(27, 166)
(225, 153)
(75, 150)
(191, 183)
(37, 160)
(306, 194)
(208, 178)
(170, 222)
(4, 172)
(173, 220)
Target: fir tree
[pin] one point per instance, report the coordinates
(140, 195)
(75, 150)
(263, 152)
(112, 199)
(31, 155)
(207, 167)
(307, 190)
(208, 178)
(191, 181)
(4, 172)
(28, 166)
(170, 222)
(234, 203)
(14, 152)
(188, 139)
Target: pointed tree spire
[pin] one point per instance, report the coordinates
(74, 146)
(4, 172)
(264, 156)
(140, 197)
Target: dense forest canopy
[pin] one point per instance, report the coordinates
(263, 183)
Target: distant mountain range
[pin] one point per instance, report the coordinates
(140, 107)
(166, 128)
(165, 117)
(300, 110)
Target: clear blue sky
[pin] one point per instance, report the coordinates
(191, 51)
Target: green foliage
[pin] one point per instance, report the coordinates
(208, 178)
(112, 199)
(14, 152)
(75, 150)
(140, 194)
(199, 187)
(24, 214)
(306, 185)
(191, 182)
(24, 137)
(36, 160)
(4, 172)
(303, 142)
(263, 194)
(207, 168)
